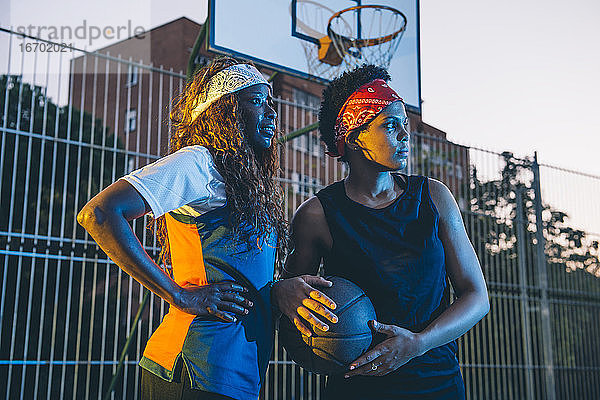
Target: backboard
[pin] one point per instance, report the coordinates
(279, 33)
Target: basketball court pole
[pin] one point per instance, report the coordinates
(200, 40)
(358, 24)
(298, 133)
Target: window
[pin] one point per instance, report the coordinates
(306, 99)
(455, 170)
(316, 147)
(308, 143)
(132, 76)
(130, 121)
(305, 185)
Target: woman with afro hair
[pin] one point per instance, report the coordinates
(397, 237)
(221, 226)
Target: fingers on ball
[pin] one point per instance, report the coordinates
(304, 330)
(320, 309)
(310, 317)
(315, 294)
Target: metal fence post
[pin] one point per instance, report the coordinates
(542, 276)
(521, 223)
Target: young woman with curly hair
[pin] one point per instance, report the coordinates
(222, 229)
(397, 237)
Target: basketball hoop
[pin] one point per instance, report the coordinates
(380, 45)
(345, 39)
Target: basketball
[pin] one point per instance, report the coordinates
(330, 352)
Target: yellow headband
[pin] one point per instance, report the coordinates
(229, 80)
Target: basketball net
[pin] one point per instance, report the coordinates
(348, 44)
(312, 19)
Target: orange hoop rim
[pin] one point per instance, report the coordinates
(358, 43)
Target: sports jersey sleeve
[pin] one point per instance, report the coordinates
(187, 177)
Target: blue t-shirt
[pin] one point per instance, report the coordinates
(229, 358)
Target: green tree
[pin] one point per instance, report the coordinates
(51, 156)
(566, 248)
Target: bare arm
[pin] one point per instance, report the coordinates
(296, 296)
(464, 271)
(470, 306)
(310, 239)
(106, 218)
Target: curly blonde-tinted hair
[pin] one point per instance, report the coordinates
(252, 194)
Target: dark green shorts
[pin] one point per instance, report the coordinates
(155, 388)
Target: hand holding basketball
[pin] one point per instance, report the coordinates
(399, 348)
(298, 299)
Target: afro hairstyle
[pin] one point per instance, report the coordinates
(336, 94)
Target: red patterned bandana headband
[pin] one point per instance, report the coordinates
(361, 107)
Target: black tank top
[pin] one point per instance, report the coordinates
(395, 255)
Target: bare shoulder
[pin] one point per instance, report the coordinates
(311, 208)
(438, 189)
(309, 223)
(444, 200)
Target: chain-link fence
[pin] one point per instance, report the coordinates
(66, 311)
